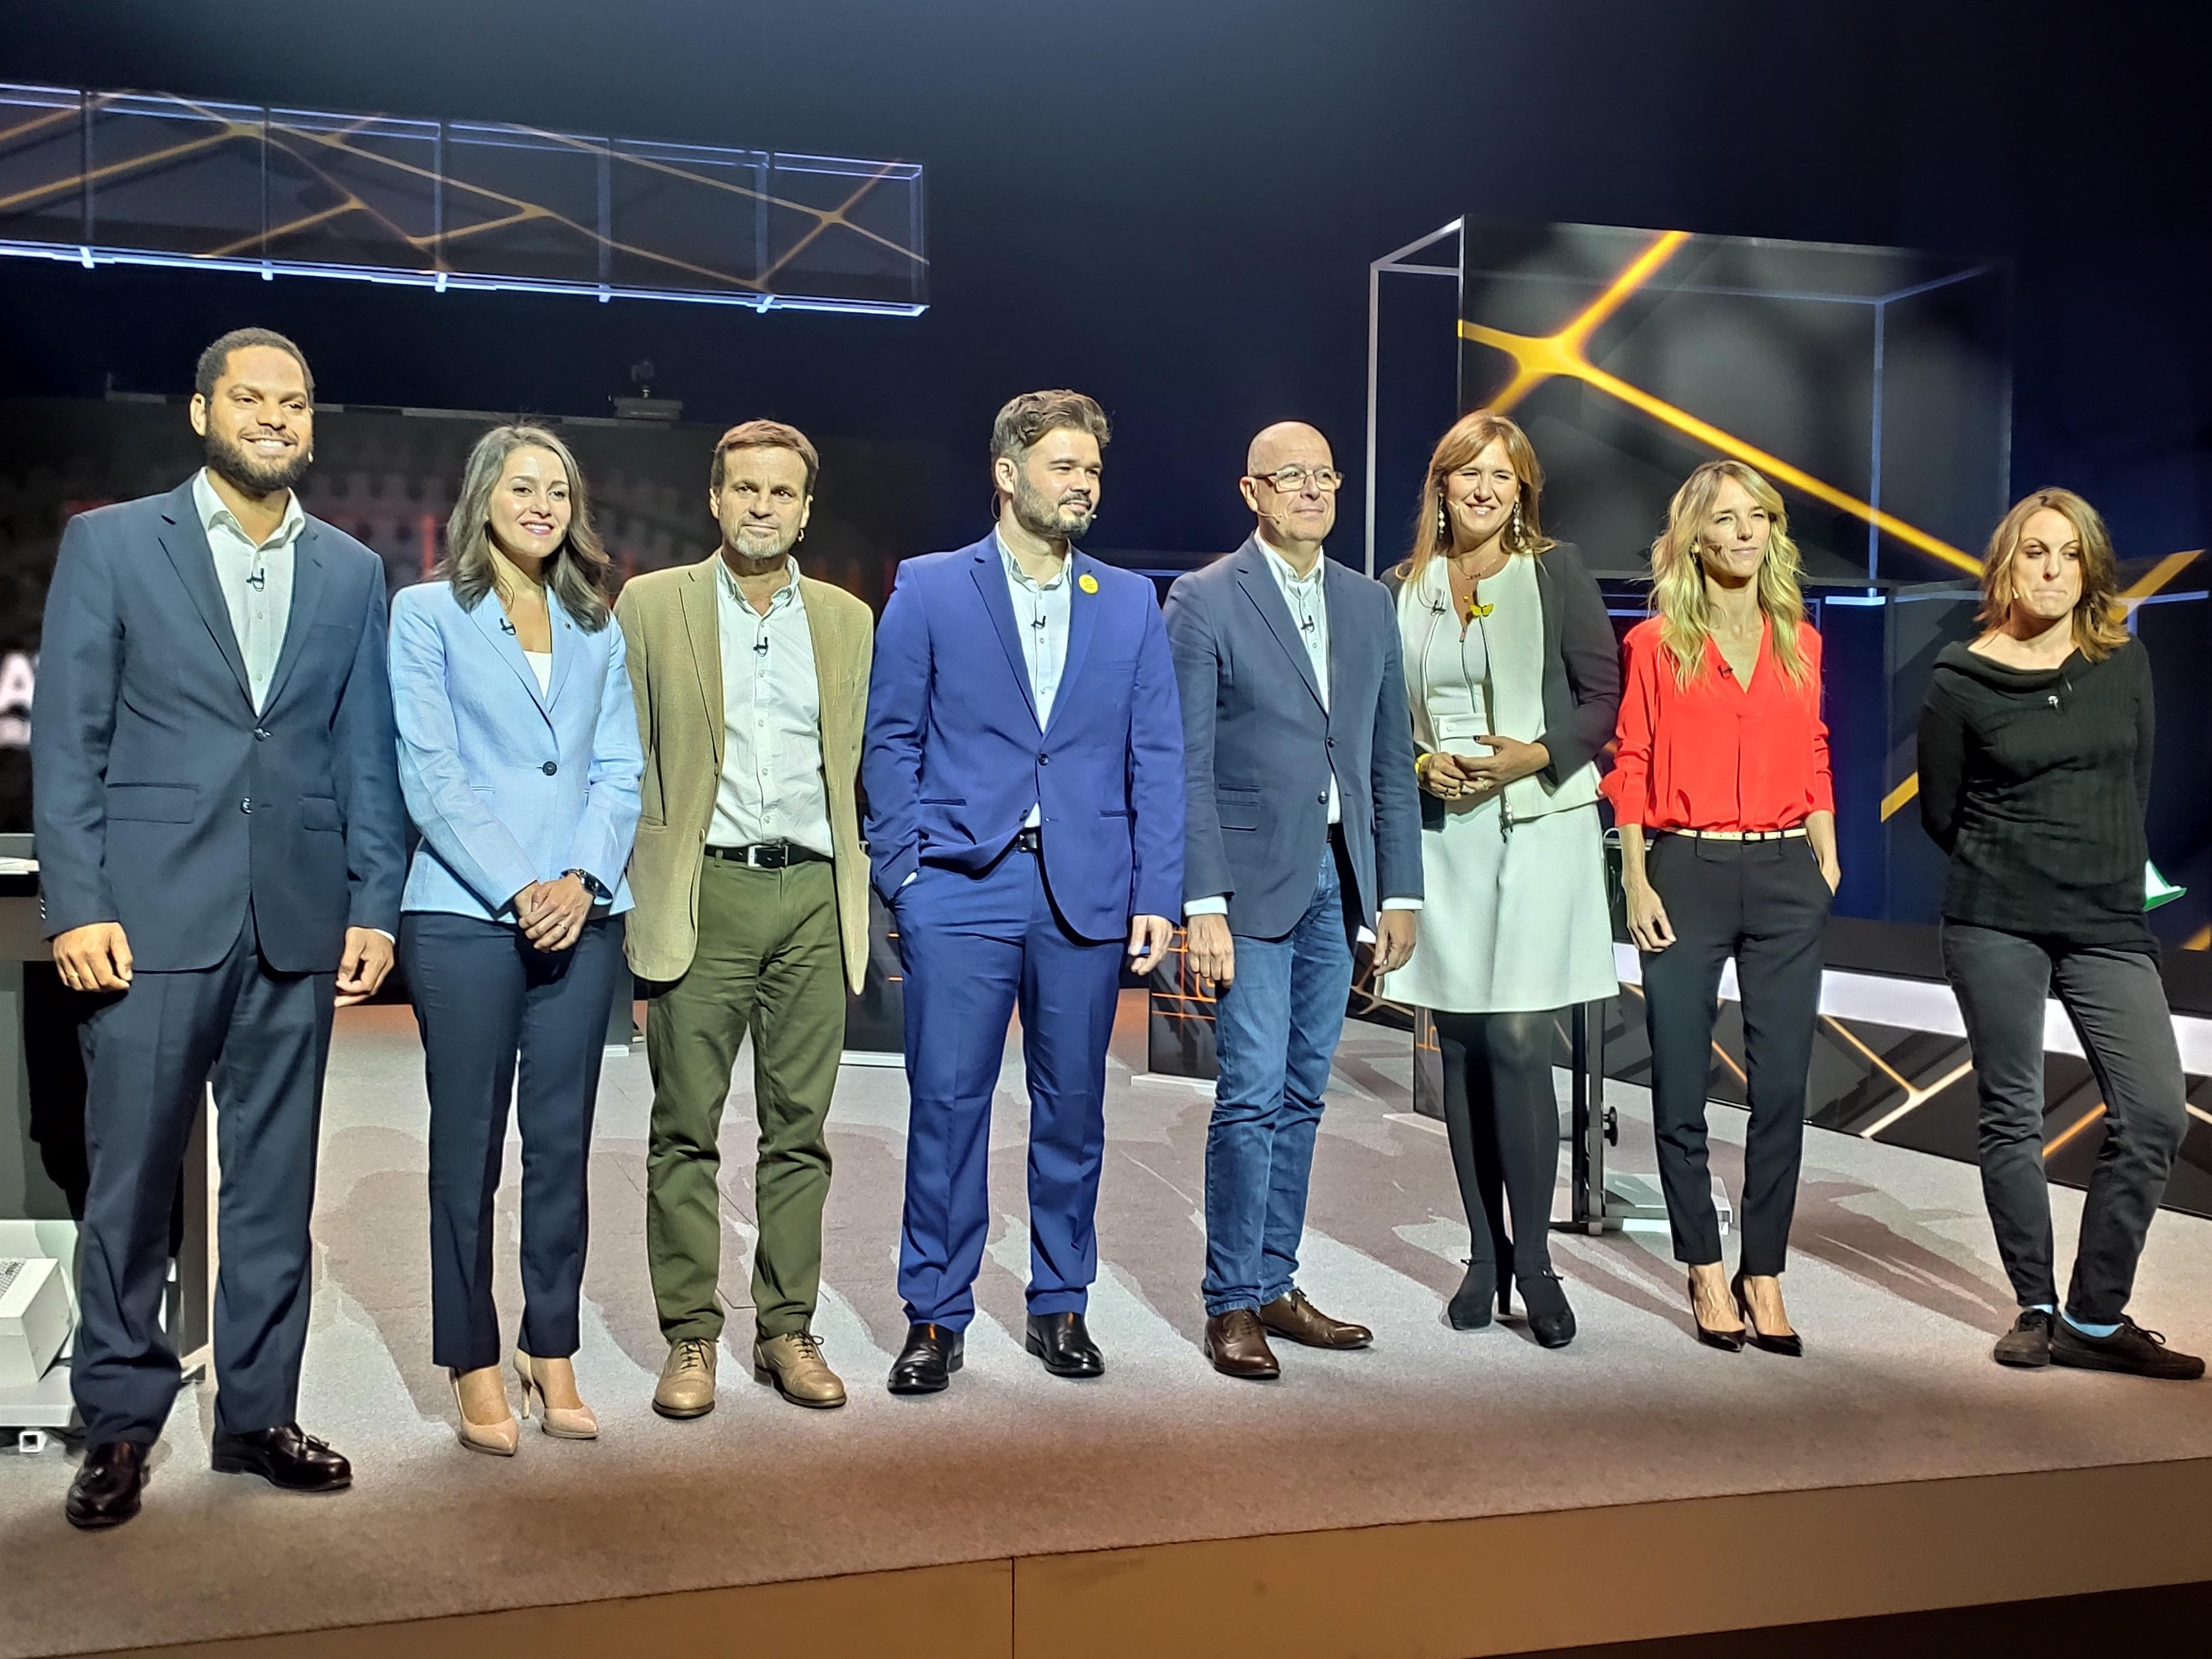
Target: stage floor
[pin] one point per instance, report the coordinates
(1894, 1284)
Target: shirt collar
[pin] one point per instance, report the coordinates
(1283, 572)
(787, 594)
(213, 512)
(1015, 570)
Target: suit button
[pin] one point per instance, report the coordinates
(260, 735)
(1044, 760)
(550, 768)
(1321, 799)
(246, 806)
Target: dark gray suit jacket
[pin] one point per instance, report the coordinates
(1582, 666)
(1259, 747)
(161, 800)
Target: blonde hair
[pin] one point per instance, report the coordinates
(1469, 436)
(1678, 576)
(2100, 620)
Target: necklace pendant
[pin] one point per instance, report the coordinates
(1474, 610)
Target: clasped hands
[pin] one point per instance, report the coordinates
(1465, 777)
(552, 914)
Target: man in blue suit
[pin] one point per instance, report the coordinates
(1305, 836)
(221, 850)
(1023, 770)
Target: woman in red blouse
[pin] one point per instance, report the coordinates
(1722, 772)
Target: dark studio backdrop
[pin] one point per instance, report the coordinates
(1173, 207)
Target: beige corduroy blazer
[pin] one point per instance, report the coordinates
(670, 623)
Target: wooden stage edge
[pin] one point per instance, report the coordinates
(1442, 1590)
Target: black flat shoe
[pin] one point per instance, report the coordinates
(1726, 1342)
(1551, 1321)
(106, 1490)
(2131, 1350)
(1061, 1340)
(283, 1456)
(926, 1364)
(1469, 1308)
(1791, 1346)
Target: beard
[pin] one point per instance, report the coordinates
(756, 547)
(1041, 516)
(249, 471)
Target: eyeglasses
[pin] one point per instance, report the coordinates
(1292, 480)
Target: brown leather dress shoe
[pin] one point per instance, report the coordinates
(1235, 1346)
(1295, 1317)
(106, 1490)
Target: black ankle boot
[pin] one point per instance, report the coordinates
(1469, 1310)
(1551, 1321)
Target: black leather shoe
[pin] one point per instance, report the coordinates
(1791, 1346)
(2130, 1349)
(1469, 1308)
(282, 1456)
(1065, 1346)
(106, 1490)
(926, 1364)
(1551, 1321)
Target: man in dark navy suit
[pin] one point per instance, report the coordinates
(221, 850)
(1023, 768)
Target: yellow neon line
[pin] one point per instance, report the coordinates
(2201, 940)
(2087, 1118)
(1914, 1099)
(1893, 802)
(1879, 1063)
(823, 223)
(258, 239)
(1637, 272)
(2160, 574)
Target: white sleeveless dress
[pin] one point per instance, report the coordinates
(1513, 919)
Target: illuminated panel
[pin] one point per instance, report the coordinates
(149, 179)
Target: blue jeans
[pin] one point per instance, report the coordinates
(1275, 1031)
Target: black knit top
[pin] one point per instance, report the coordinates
(2036, 783)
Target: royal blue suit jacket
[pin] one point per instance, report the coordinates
(507, 784)
(1261, 745)
(161, 799)
(955, 757)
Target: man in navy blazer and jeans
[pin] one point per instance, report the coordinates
(1305, 832)
(221, 848)
(1024, 768)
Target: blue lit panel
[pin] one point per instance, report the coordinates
(149, 179)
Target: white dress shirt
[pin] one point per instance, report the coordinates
(1306, 596)
(1041, 618)
(256, 579)
(771, 787)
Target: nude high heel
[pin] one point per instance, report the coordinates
(562, 1422)
(495, 1439)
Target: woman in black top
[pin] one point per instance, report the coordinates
(2035, 755)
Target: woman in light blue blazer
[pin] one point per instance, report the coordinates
(519, 755)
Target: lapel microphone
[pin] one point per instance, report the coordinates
(760, 645)
(258, 581)
(506, 627)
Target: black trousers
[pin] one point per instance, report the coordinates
(2118, 1004)
(1766, 903)
(486, 998)
(1504, 1121)
(263, 1039)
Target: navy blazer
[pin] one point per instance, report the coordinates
(1260, 747)
(510, 785)
(955, 758)
(161, 799)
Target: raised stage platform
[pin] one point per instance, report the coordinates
(1442, 1495)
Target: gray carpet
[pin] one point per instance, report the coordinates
(1894, 1285)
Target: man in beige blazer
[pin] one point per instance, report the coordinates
(752, 901)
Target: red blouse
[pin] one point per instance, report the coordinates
(1715, 755)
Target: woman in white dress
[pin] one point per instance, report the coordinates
(1513, 676)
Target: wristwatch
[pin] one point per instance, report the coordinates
(591, 885)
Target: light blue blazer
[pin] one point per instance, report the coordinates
(508, 786)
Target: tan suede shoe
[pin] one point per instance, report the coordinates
(794, 1364)
(687, 1380)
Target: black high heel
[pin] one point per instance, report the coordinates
(1551, 1321)
(1726, 1342)
(1469, 1308)
(1792, 1346)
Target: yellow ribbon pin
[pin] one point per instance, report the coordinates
(1087, 582)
